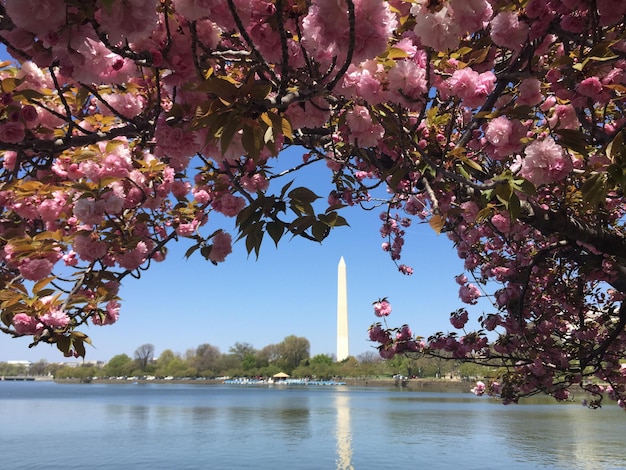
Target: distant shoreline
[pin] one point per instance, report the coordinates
(424, 385)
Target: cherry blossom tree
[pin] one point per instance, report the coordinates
(125, 123)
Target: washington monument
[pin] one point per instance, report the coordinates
(342, 312)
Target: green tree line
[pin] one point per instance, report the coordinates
(292, 355)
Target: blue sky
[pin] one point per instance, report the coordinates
(180, 304)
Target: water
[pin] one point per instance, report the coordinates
(136, 426)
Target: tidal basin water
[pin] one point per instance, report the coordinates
(136, 426)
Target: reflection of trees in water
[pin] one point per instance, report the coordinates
(343, 432)
(126, 417)
(559, 435)
(287, 418)
(203, 420)
(562, 434)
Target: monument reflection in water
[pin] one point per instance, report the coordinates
(343, 432)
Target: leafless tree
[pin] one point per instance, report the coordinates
(144, 355)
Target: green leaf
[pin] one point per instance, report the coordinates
(38, 287)
(301, 224)
(332, 219)
(514, 207)
(269, 135)
(616, 150)
(302, 194)
(253, 242)
(81, 336)
(29, 94)
(64, 344)
(260, 90)
(108, 5)
(79, 347)
(245, 214)
(205, 251)
(397, 175)
(437, 222)
(191, 251)
(283, 191)
(397, 53)
(572, 139)
(252, 140)
(503, 192)
(617, 174)
(223, 88)
(276, 230)
(9, 84)
(595, 189)
(228, 132)
(286, 128)
(320, 230)
(473, 165)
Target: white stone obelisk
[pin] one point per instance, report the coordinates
(342, 312)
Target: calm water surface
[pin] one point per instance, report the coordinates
(45, 425)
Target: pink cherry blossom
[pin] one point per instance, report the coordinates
(479, 388)
(363, 130)
(404, 269)
(135, 257)
(501, 222)
(545, 162)
(88, 248)
(382, 308)
(9, 160)
(459, 318)
(404, 334)
(530, 92)
(469, 293)
(388, 351)
(407, 81)
(325, 29)
(95, 63)
(129, 20)
(508, 31)
(472, 87)
(222, 247)
(89, 211)
(228, 204)
(55, 318)
(379, 334)
(436, 29)
(39, 16)
(35, 269)
(254, 183)
(126, 104)
(564, 117)
(610, 11)
(363, 82)
(70, 258)
(12, 132)
(471, 15)
(591, 87)
(109, 316)
(25, 324)
(176, 144)
(196, 9)
(491, 322)
(505, 136)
